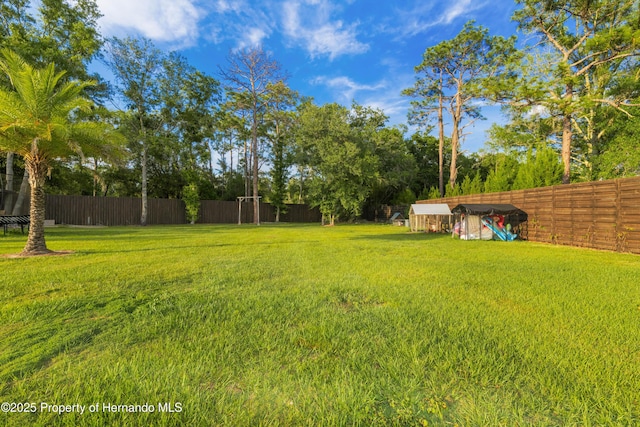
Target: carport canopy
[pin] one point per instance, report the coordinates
(430, 209)
(487, 209)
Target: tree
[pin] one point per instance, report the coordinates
(425, 149)
(280, 123)
(502, 174)
(609, 136)
(454, 76)
(36, 122)
(250, 72)
(542, 168)
(522, 132)
(191, 201)
(587, 39)
(229, 139)
(188, 108)
(68, 36)
(62, 32)
(471, 186)
(340, 156)
(16, 26)
(136, 64)
(431, 89)
(396, 166)
(172, 110)
(621, 154)
(89, 173)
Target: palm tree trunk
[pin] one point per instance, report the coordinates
(36, 244)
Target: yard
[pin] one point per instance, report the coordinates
(308, 325)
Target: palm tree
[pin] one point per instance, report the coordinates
(37, 123)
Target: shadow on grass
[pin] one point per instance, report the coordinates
(124, 234)
(149, 249)
(133, 232)
(203, 246)
(405, 237)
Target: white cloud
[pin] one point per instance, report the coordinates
(320, 36)
(380, 95)
(345, 87)
(159, 20)
(223, 6)
(424, 15)
(458, 9)
(390, 101)
(245, 24)
(385, 94)
(253, 37)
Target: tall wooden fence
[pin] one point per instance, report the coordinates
(599, 215)
(87, 210)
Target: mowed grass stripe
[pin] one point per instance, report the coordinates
(305, 325)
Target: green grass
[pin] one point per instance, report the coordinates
(304, 325)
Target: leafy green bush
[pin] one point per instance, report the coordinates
(191, 200)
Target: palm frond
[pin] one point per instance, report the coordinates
(96, 139)
(11, 63)
(38, 114)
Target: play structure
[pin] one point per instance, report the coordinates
(496, 224)
(430, 217)
(489, 222)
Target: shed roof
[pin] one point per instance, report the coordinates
(487, 209)
(430, 209)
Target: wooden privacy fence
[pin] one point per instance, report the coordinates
(88, 210)
(599, 215)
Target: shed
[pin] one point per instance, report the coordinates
(430, 217)
(489, 221)
(397, 219)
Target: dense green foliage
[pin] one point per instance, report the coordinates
(45, 32)
(455, 75)
(65, 33)
(308, 325)
(592, 44)
(351, 156)
(281, 121)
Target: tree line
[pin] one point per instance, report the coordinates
(569, 88)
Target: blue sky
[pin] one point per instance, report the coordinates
(334, 51)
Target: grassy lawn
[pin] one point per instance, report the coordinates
(304, 325)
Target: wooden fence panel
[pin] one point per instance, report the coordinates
(111, 211)
(599, 215)
(218, 212)
(300, 213)
(86, 210)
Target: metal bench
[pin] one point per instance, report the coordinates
(21, 220)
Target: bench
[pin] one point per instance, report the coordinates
(21, 220)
